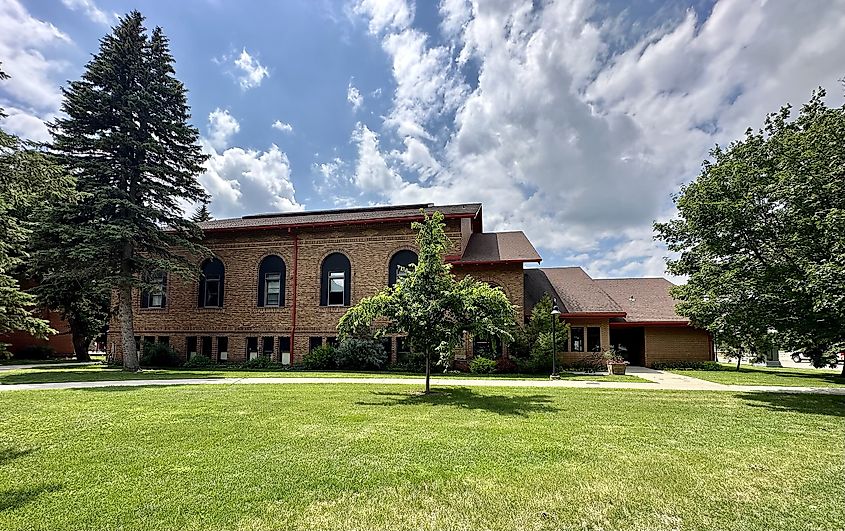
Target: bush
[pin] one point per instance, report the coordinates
(159, 355)
(34, 352)
(410, 362)
(360, 355)
(688, 365)
(261, 362)
(199, 362)
(320, 358)
(479, 365)
(590, 362)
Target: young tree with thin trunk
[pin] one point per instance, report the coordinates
(427, 304)
(127, 140)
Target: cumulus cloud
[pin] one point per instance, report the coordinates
(353, 96)
(249, 72)
(221, 127)
(385, 14)
(90, 9)
(574, 137)
(372, 173)
(25, 125)
(282, 126)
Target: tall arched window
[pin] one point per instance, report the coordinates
(399, 262)
(335, 277)
(211, 284)
(271, 281)
(156, 295)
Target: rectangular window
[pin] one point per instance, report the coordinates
(223, 348)
(387, 344)
(593, 339)
(577, 333)
(212, 291)
(137, 343)
(337, 283)
(206, 346)
(332, 341)
(157, 293)
(403, 352)
(272, 289)
(267, 347)
(164, 340)
(191, 346)
(314, 342)
(251, 348)
(284, 350)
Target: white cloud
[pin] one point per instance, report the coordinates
(282, 126)
(25, 125)
(353, 96)
(221, 127)
(89, 7)
(385, 14)
(251, 71)
(372, 173)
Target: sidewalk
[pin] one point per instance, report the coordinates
(661, 382)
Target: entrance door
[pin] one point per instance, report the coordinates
(630, 342)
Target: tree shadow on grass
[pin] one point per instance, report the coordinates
(10, 454)
(465, 398)
(14, 498)
(37, 376)
(817, 404)
(820, 375)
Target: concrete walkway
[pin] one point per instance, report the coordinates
(660, 382)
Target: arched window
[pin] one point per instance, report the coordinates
(156, 295)
(399, 262)
(335, 276)
(271, 281)
(211, 284)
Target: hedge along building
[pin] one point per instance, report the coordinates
(278, 283)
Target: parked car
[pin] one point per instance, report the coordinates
(799, 356)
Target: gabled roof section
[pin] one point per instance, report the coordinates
(536, 285)
(643, 299)
(492, 247)
(580, 294)
(345, 216)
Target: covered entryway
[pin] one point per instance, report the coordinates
(630, 342)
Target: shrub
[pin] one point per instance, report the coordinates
(688, 365)
(319, 358)
(199, 362)
(159, 355)
(479, 365)
(261, 362)
(590, 362)
(410, 362)
(360, 354)
(34, 352)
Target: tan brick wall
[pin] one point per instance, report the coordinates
(369, 249)
(676, 344)
(570, 357)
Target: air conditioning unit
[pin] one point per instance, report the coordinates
(285, 358)
(224, 356)
(253, 354)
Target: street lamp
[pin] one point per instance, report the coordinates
(555, 313)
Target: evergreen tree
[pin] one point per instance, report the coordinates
(201, 214)
(127, 140)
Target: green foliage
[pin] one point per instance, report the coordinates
(160, 355)
(199, 362)
(261, 362)
(360, 354)
(124, 133)
(689, 365)
(480, 365)
(409, 362)
(430, 306)
(320, 358)
(533, 352)
(34, 352)
(760, 235)
(201, 213)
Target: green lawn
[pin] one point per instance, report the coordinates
(384, 457)
(748, 375)
(100, 373)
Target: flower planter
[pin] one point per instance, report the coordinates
(616, 368)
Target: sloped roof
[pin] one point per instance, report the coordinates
(536, 284)
(339, 216)
(499, 247)
(642, 299)
(578, 293)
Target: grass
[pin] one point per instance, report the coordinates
(748, 375)
(100, 373)
(384, 457)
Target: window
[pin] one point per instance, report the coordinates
(403, 351)
(399, 263)
(137, 343)
(222, 348)
(314, 342)
(284, 350)
(332, 341)
(164, 340)
(482, 346)
(387, 344)
(191, 346)
(267, 347)
(577, 333)
(206, 346)
(271, 281)
(593, 339)
(211, 284)
(251, 348)
(334, 280)
(154, 296)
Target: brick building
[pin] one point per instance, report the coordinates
(278, 283)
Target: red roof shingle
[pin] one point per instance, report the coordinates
(643, 299)
(499, 247)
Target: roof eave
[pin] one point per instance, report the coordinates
(493, 262)
(575, 315)
(629, 324)
(331, 223)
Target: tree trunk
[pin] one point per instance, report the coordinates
(127, 333)
(427, 373)
(843, 368)
(80, 346)
(738, 359)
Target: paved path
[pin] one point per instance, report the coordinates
(661, 382)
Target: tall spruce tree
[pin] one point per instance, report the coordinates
(127, 140)
(201, 213)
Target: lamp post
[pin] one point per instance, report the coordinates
(555, 313)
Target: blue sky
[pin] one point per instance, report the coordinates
(573, 120)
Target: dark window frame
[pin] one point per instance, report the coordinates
(398, 262)
(335, 263)
(593, 339)
(213, 274)
(160, 279)
(271, 265)
(580, 338)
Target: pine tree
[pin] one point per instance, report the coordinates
(201, 214)
(127, 140)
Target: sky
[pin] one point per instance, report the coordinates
(572, 120)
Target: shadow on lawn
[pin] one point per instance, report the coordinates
(10, 454)
(465, 398)
(821, 376)
(818, 404)
(14, 498)
(36, 376)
